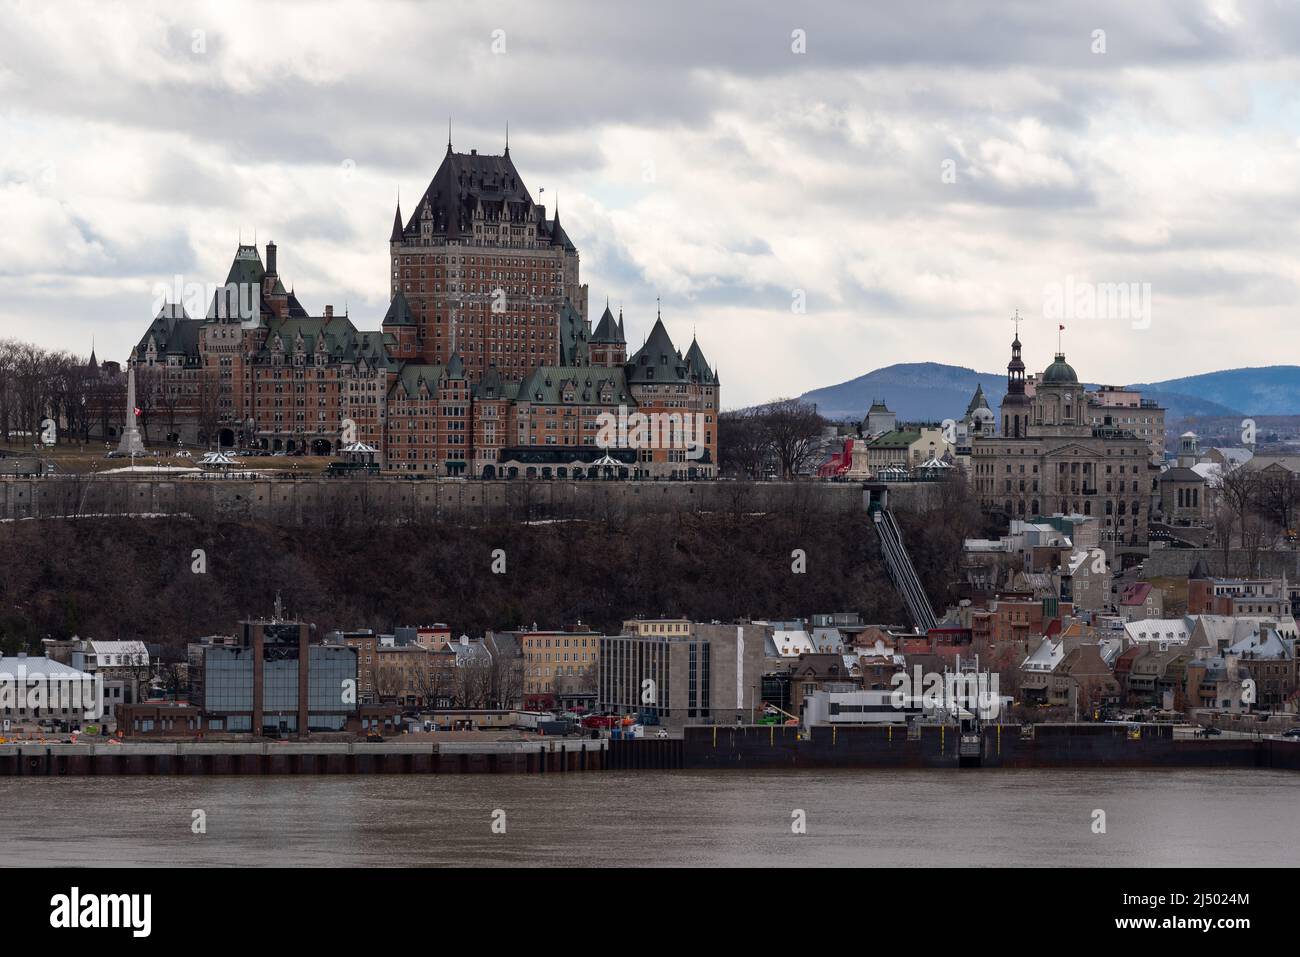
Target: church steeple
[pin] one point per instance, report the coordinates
(1016, 367)
(1015, 404)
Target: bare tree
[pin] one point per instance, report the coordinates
(209, 408)
(791, 428)
(742, 442)
(1279, 494)
(148, 389)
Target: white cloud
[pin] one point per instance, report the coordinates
(126, 156)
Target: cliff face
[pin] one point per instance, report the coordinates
(135, 577)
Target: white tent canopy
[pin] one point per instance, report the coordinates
(217, 458)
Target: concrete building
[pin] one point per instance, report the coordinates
(711, 676)
(1119, 407)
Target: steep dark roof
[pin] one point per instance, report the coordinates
(173, 333)
(697, 364)
(658, 360)
(399, 312)
(575, 335)
(558, 236)
(461, 184)
(494, 386)
(396, 235)
(607, 330)
(245, 269)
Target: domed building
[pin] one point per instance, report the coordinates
(1051, 458)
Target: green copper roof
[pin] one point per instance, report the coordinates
(1060, 372)
(586, 385)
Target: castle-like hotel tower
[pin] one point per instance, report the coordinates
(485, 362)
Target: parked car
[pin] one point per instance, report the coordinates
(1291, 733)
(1210, 731)
(662, 733)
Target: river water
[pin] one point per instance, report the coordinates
(680, 818)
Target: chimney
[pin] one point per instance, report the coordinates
(329, 312)
(270, 258)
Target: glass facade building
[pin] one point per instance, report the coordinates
(274, 680)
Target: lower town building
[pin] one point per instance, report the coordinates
(558, 665)
(123, 666)
(711, 676)
(273, 679)
(42, 690)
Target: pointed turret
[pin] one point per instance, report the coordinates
(697, 364)
(396, 236)
(399, 312)
(606, 328)
(658, 360)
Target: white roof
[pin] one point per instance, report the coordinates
(1212, 472)
(1175, 630)
(1045, 657)
(1262, 642)
(11, 665)
(1110, 649)
(1235, 457)
(117, 647)
(828, 639)
(791, 643)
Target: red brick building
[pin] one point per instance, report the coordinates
(485, 362)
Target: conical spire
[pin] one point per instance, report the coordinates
(606, 328)
(696, 362)
(456, 367)
(396, 236)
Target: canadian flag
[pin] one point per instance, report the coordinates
(139, 413)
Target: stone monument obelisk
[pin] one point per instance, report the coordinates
(131, 443)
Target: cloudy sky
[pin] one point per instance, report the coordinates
(814, 192)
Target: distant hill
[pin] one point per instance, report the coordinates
(933, 391)
(1266, 390)
(917, 391)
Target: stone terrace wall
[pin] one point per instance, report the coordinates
(308, 501)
